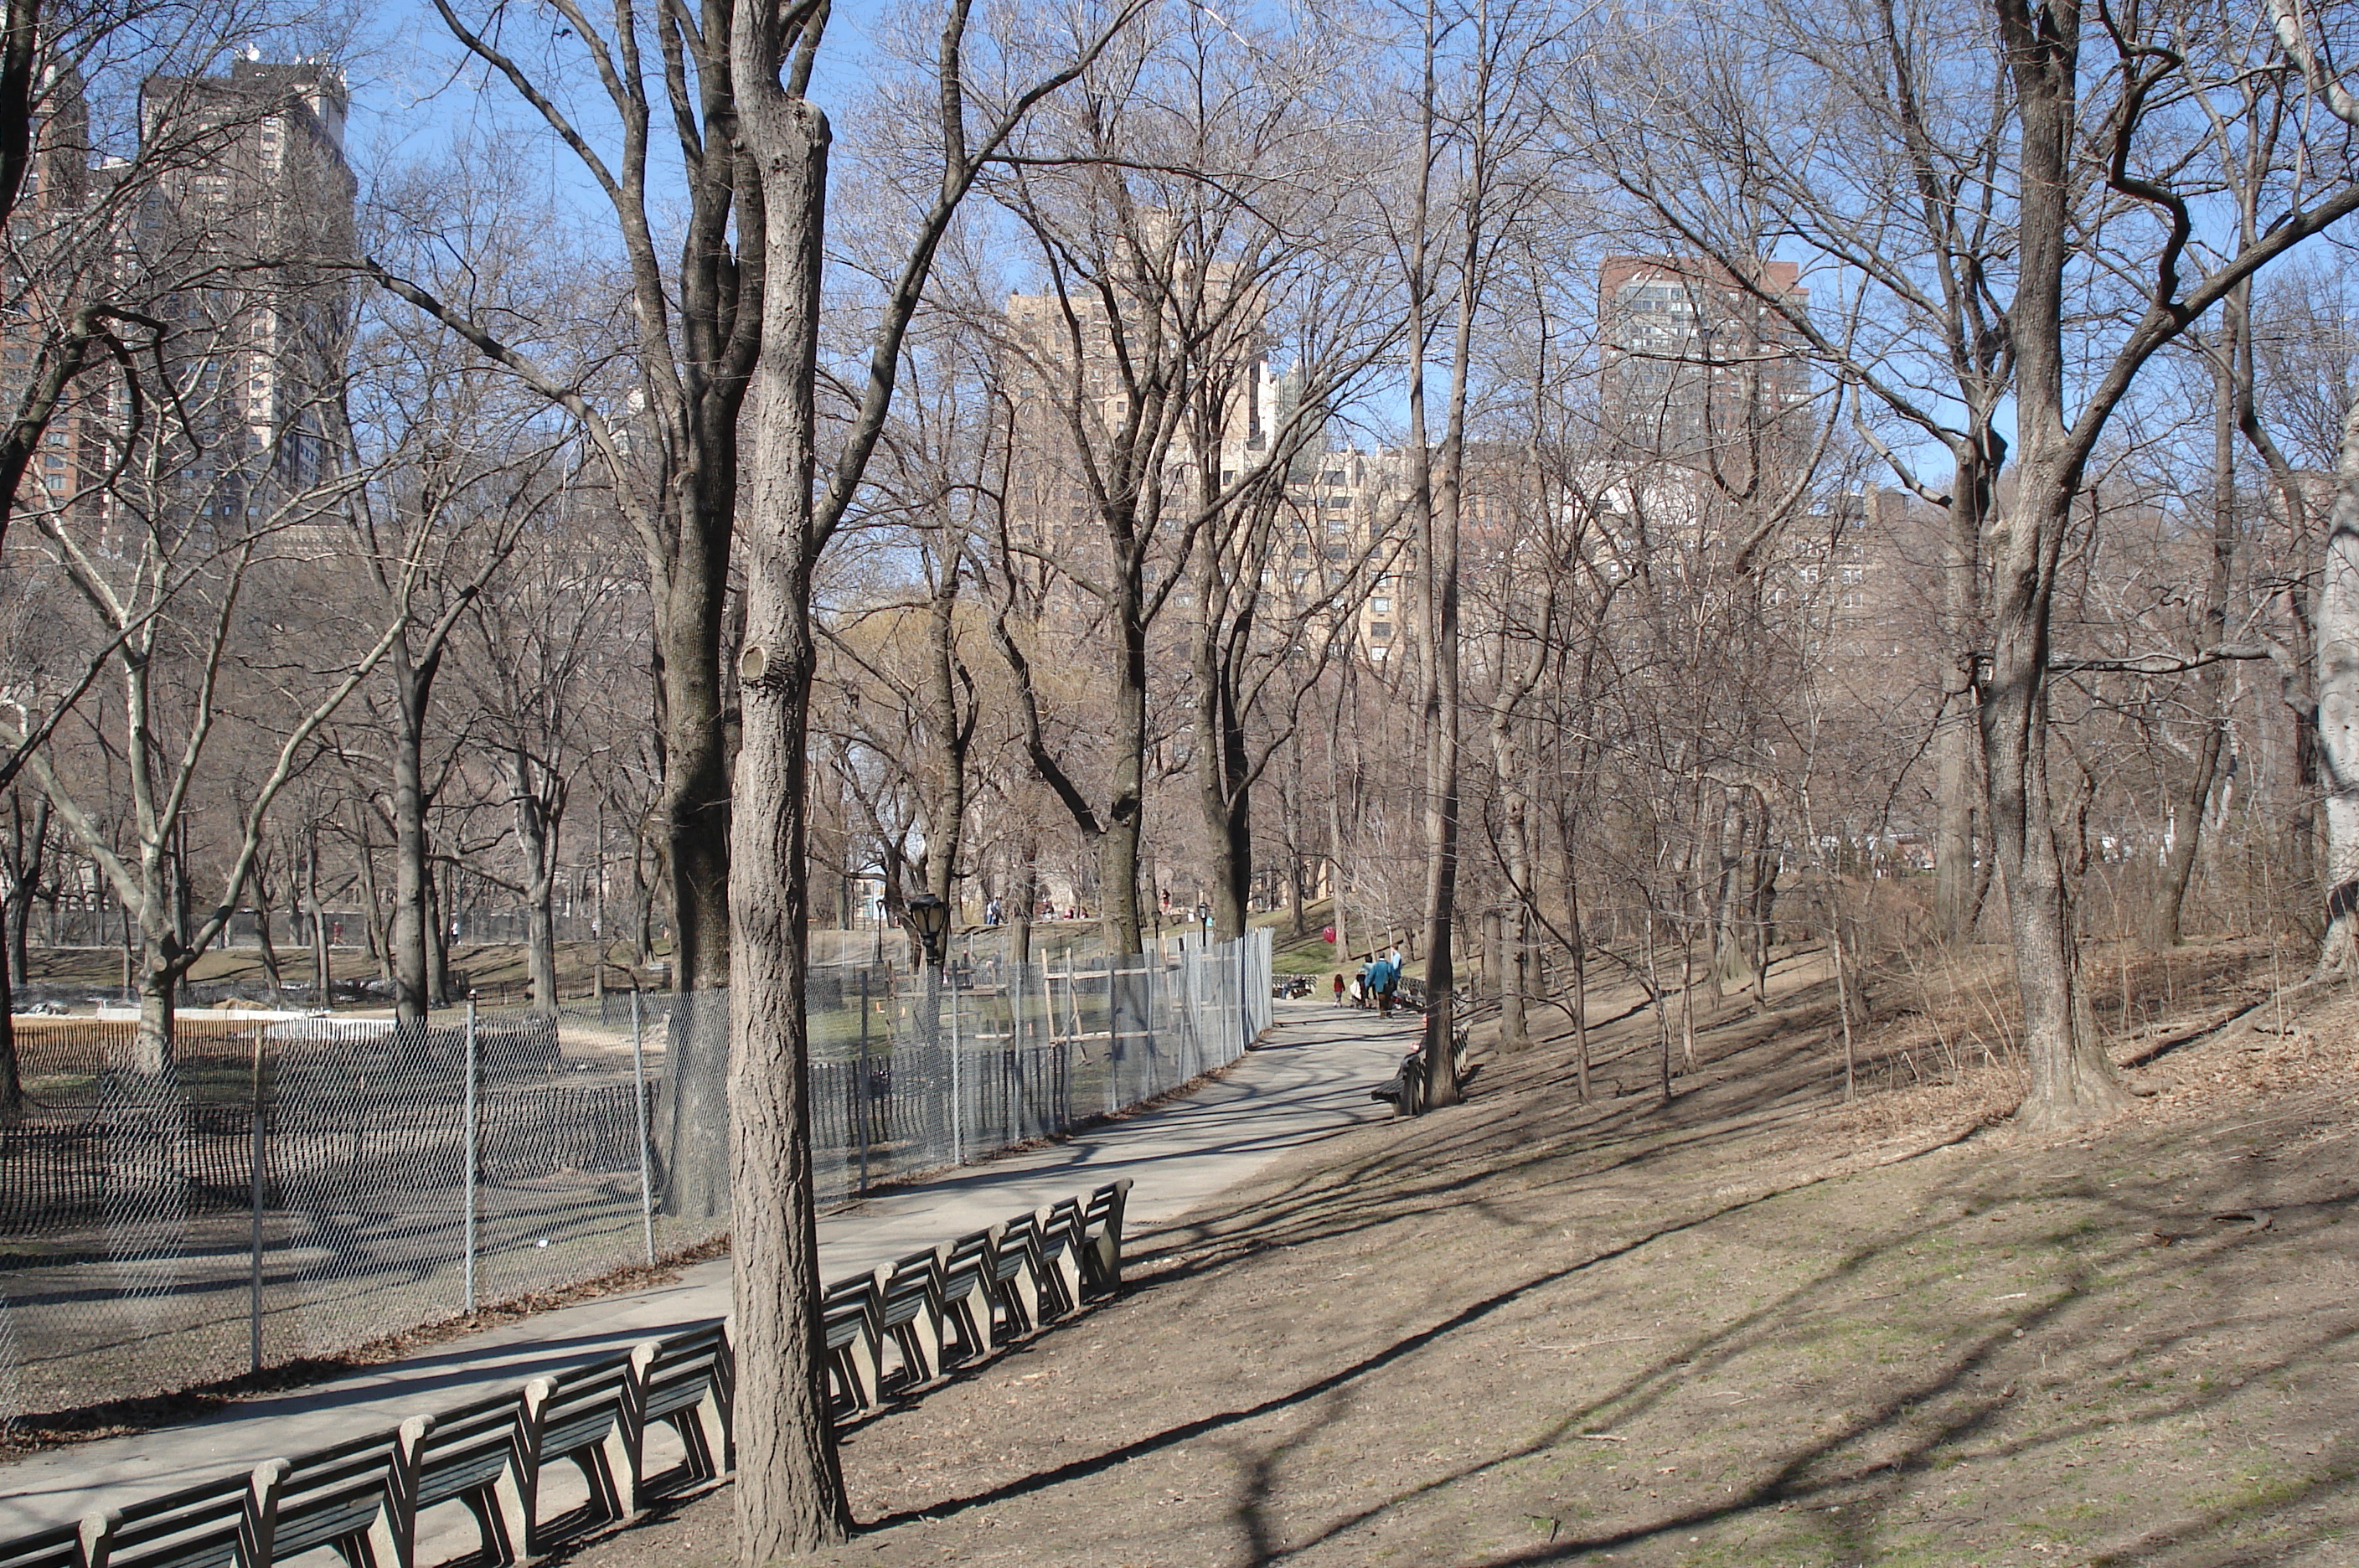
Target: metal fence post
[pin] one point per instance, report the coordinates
(958, 1075)
(861, 1099)
(639, 1110)
(469, 1241)
(254, 1288)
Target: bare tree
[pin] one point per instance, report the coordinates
(790, 1486)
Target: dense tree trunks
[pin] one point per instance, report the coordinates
(2337, 710)
(790, 1487)
(1224, 796)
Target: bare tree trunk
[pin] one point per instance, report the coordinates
(534, 849)
(1338, 863)
(441, 906)
(2211, 681)
(790, 1493)
(2337, 710)
(323, 981)
(2072, 1079)
(1956, 900)
(12, 1080)
(261, 941)
(413, 917)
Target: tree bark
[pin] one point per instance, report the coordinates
(2072, 1079)
(535, 828)
(2211, 681)
(413, 917)
(789, 1491)
(2337, 710)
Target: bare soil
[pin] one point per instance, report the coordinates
(1753, 1326)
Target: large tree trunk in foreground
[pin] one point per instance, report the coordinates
(789, 1488)
(2071, 1079)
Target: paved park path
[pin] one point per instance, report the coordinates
(1308, 1080)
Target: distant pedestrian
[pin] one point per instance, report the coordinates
(1381, 979)
(1339, 987)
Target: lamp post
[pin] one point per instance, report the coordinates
(929, 917)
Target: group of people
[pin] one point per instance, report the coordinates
(1378, 986)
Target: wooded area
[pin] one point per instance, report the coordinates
(1626, 489)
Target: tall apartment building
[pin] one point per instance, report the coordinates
(1342, 518)
(1069, 355)
(1698, 369)
(249, 210)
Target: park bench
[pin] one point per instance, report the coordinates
(1063, 1238)
(352, 1498)
(207, 1526)
(1101, 1222)
(60, 1546)
(850, 1312)
(911, 1318)
(469, 1456)
(968, 1298)
(907, 1323)
(685, 1383)
(1016, 1279)
(584, 1418)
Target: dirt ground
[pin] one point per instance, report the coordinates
(1752, 1326)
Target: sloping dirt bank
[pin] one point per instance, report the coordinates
(1751, 1326)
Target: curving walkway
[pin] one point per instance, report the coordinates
(1308, 1081)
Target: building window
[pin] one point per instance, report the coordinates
(1380, 606)
(1380, 630)
(1854, 574)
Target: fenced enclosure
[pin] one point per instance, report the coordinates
(299, 1186)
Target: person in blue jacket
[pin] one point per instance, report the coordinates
(1382, 980)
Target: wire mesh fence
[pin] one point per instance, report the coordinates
(292, 1187)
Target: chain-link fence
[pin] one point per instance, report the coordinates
(297, 1186)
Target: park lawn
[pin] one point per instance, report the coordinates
(1753, 1326)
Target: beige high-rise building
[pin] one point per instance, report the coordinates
(254, 211)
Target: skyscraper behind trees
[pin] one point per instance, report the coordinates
(1696, 364)
(252, 214)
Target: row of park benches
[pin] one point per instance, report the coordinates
(888, 1333)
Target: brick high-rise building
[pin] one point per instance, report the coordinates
(249, 212)
(1698, 370)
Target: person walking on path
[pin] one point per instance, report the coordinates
(1383, 978)
(1339, 987)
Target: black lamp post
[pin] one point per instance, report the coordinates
(929, 917)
